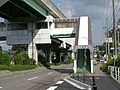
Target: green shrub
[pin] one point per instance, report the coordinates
(18, 59)
(59, 63)
(110, 62)
(43, 61)
(5, 59)
(4, 67)
(21, 67)
(23, 59)
(69, 61)
(17, 67)
(104, 67)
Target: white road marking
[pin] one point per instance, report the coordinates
(50, 72)
(33, 78)
(1, 87)
(52, 88)
(74, 84)
(67, 68)
(59, 82)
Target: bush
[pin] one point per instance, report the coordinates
(5, 60)
(23, 59)
(17, 67)
(69, 61)
(21, 67)
(4, 67)
(18, 59)
(104, 67)
(43, 61)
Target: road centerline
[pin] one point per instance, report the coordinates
(33, 78)
(67, 68)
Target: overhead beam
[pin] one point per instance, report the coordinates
(21, 8)
(2, 2)
(7, 15)
(36, 6)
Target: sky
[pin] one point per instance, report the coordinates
(95, 9)
(91, 8)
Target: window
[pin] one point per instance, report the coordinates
(17, 26)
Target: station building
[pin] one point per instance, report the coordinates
(44, 29)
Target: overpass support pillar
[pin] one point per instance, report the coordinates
(48, 55)
(57, 56)
(33, 52)
(66, 57)
(32, 49)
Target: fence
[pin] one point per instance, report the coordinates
(115, 72)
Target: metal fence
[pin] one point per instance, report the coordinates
(115, 72)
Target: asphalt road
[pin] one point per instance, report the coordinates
(40, 79)
(52, 79)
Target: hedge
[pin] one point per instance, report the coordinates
(17, 67)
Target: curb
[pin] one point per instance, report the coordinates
(79, 84)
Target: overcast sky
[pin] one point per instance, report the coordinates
(91, 8)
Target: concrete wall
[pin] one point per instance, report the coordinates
(83, 31)
(42, 36)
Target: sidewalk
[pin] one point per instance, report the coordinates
(102, 81)
(97, 71)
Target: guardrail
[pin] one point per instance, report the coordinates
(115, 72)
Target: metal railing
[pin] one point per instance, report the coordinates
(115, 72)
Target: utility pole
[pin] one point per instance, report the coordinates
(114, 29)
(108, 46)
(118, 39)
(114, 36)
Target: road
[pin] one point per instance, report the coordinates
(52, 79)
(40, 79)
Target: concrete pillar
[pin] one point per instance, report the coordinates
(92, 66)
(75, 66)
(32, 49)
(33, 52)
(65, 57)
(57, 56)
(50, 58)
(48, 55)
